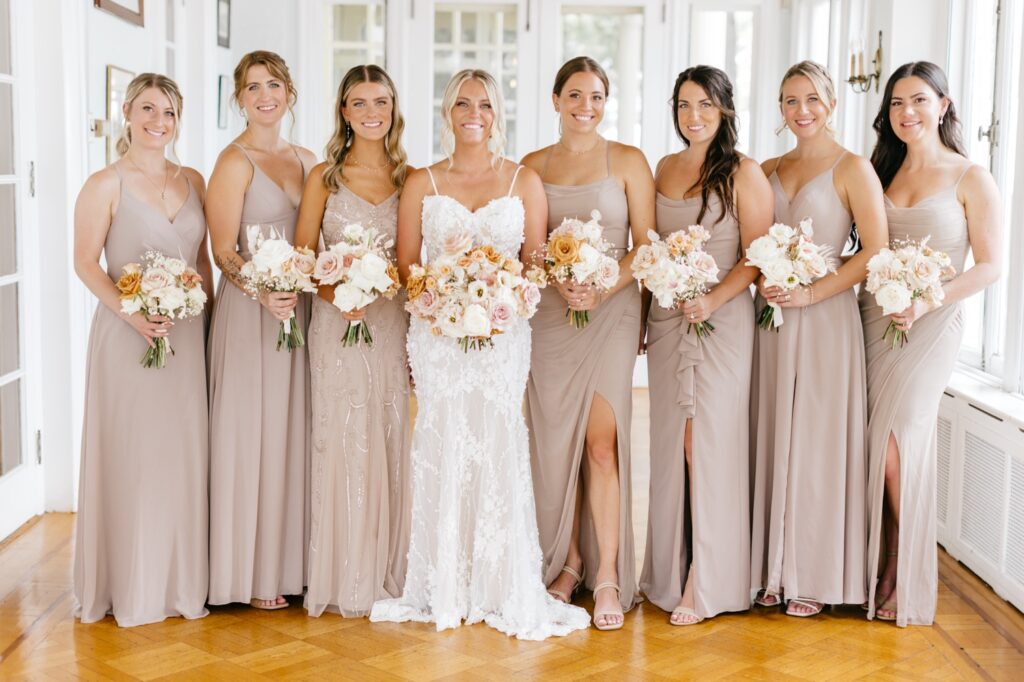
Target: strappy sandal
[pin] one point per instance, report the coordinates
(598, 614)
(763, 597)
(890, 614)
(684, 611)
(815, 607)
(578, 577)
(255, 603)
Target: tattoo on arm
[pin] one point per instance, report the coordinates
(231, 267)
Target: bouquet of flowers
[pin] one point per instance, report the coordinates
(577, 252)
(677, 269)
(473, 295)
(788, 259)
(359, 267)
(278, 266)
(906, 271)
(160, 285)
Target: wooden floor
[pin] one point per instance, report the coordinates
(976, 636)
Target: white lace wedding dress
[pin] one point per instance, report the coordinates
(474, 552)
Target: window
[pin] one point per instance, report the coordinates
(355, 36)
(476, 37)
(614, 37)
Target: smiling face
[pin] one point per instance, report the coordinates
(152, 118)
(264, 97)
(698, 117)
(915, 109)
(369, 109)
(804, 110)
(472, 115)
(581, 102)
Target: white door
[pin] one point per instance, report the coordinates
(21, 476)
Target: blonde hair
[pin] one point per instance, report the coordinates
(140, 84)
(823, 85)
(277, 68)
(340, 144)
(451, 93)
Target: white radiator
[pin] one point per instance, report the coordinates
(980, 496)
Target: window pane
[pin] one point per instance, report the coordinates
(170, 21)
(8, 232)
(350, 23)
(6, 130)
(9, 327)
(10, 426)
(478, 37)
(5, 36)
(614, 37)
(734, 55)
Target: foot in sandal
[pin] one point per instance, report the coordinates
(607, 609)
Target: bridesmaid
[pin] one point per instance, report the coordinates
(578, 399)
(359, 508)
(697, 562)
(259, 399)
(932, 189)
(141, 541)
(808, 534)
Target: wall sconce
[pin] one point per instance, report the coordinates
(859, 80)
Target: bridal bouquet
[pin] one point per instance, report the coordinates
(360, 268)
(160, 285)
(473, 295)
(278, 266)
(788, 259)
(577, 252)
(677, 269)
(906, 271)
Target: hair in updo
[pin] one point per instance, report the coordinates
(451, 93)
(890, 150)
(579, 65)
(140, 84)
(341, 142)
(277, 68)
(824, 87)
(718, 171)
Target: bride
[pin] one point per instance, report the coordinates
(474, 553)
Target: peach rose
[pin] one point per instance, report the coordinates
(564, 249)
(415, 286)
(129, 283)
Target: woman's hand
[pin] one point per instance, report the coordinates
(580, 296)
(698, 309)
(356, 315)
(279, 303)
(793, 298)
(157, 326)
(905, 319)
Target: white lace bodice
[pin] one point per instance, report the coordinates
(499, 223)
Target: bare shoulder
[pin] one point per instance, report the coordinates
(307, 156)
(977, 182)
(417, 181)
(526, 177)
(195, 177)
(855, 165)
(103, 183)
(663, 163)
(536, 159)
(768, 165)
(631, 158)
(750, 174)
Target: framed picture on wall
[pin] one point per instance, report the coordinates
(129, 10)
(223, 23)
(223, 100)
(117, 85)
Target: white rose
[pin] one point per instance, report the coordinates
(348, 297)
(131, 305)
(777, 272)
(196, 297)
(354, 232)
(370, 273)
(589, 259)
(893, 298)
(761, 250)
(476, 321)
(175, 266)
(272, 255)
(171, 298)
(781, 233)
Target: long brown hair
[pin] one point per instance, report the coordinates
(722, 160)
(139, 84)
(340, 144)
(890, 150)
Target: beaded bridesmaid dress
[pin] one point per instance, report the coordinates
(707, 380)
(808, 533)
(259, 425)
(141, 536)
(568, 366)
(360, 494)
(904, 389)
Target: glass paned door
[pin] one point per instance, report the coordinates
(355, 32)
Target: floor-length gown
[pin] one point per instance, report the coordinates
(359, 505)
(141, 536)
(707, 380)
(808, 533)
(474, 554)
(904, 389)
(568, 367)
(259, 426)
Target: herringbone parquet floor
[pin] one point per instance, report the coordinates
(976, 636)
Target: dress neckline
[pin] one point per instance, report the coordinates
(473, 211)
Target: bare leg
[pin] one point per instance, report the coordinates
(565, 582)
(602, 493)
(686, 601)
(885, 594)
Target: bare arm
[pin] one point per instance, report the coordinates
(535, 229)
(225, 197)
(410, 210)
(984, 230)
(640, 197)
(311, 218)
(203, 266)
